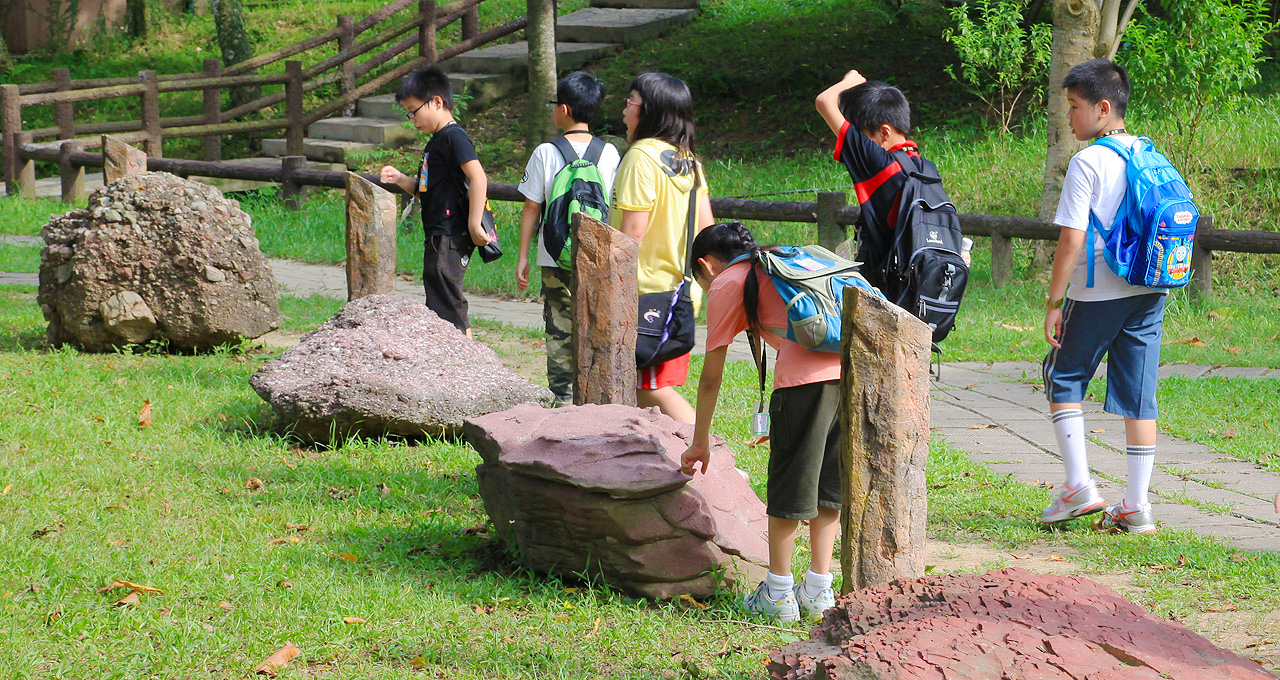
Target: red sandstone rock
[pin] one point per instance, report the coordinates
(1006, 625)
(597, 489)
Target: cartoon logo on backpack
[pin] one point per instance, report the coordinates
(1178, 265)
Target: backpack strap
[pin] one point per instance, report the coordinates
(594, 149)
(1095, 225)
(693, 221)
(565, 148)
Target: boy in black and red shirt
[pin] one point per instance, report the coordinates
(870, 120)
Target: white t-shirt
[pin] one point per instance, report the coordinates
(1095, 181)
(543, 165)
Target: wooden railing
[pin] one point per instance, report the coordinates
(340, 68)
(831, 214)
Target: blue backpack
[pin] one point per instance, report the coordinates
(811, 281)
(1150, 242)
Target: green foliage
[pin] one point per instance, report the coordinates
(1201, 55)
(1002, 62)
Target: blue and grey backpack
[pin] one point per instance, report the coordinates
(1150, 241)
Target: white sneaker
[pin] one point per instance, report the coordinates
(759, 603)
(1073, 503)
(813, 607)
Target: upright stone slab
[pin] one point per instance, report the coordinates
(885, 388)
(371, 239)
(605, 299)
(120, 160)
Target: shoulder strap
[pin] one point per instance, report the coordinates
(594, 149)
(1117, 146)
(566, 149)
(693, 220)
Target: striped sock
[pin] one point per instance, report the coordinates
(1141, 460)
(1068, 426)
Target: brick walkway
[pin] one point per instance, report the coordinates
(997, 414)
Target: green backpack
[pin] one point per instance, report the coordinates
(578, 187)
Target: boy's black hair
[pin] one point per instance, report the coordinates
(424, 84)
(582, 92)
(1099, 79)
(666, 111)
(872, 104)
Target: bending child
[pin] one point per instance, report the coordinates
(804, 440)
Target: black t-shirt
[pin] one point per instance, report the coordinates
(442, 185)
(877, 177)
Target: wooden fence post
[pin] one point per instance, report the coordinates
(212, 110)
(471, 22)
(427, 31)
(371, 238)
(347, 80)
(72, 175)
(10, 126)
(1202, 265)
(885, 414)
(604, 313)
(1001, 259)
(63, 113)
(830, 234)
(290, 190)
(293, 107)
(26, 168)
(151, 113)
(120, 160)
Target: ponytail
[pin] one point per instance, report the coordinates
(726, 241)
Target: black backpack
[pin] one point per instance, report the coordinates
(918, 266)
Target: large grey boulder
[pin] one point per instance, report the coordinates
(388, 365)
(597, 490)
(155, 257)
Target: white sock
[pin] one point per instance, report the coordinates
(1141, 460)
(779, 586)
(815, 583)
(1068, 426)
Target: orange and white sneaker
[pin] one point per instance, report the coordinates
(1123, 517)
(1072, 503)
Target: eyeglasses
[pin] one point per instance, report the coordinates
(632, 102)
(409, 115)
(554, 102)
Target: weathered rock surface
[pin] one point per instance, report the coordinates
(1006, 625)
(597, 490)
(135, 266)
(388, 365)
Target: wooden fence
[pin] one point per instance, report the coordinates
(341, 69)
(831, 214)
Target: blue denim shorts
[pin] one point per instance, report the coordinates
(1128, 332)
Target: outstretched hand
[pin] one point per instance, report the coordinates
(694, 455)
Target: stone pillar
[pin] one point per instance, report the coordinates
(120, 159)
(885, 416)
(605, 300)
(371, 238)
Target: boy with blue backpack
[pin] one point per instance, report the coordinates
(569, 174)
(1127, 229)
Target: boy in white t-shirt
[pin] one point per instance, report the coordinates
(578, 98)
(1111, 317)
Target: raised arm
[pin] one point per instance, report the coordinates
(828, 103)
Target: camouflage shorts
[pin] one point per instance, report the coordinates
(557, 314)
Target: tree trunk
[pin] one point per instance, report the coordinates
(233, 40)
(5, 63)
(542, 73)
(1076, 26)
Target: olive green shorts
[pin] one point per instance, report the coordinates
(804, 450)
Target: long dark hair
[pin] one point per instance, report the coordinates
(666, 111)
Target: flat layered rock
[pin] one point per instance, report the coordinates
(1005, 625)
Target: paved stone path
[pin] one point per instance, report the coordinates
(997, 414)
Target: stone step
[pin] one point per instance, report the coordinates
(624, 26)
(233, 185)
(647, 4)
(483, 89)
(322, 150)
(379, 131)
(513, 58)
(380, 106)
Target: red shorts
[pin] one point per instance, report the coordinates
(670, 373)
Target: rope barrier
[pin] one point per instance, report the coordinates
(792, 191)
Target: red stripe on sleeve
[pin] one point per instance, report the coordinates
(844, 129)
(865, 188)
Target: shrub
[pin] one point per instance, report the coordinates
(1001, 61)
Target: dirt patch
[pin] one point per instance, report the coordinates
(525, 356)
(1250, 634)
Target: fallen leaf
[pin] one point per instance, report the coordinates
(1098, 431)
(1224, 608)
(1054, 558)
(116, 506)
(226, 605)
(939, 486)
(1229, 433)
(418, 663)
(285, 584)
(753, 442)
(482, 610)
(347, 557)
(560, 617)
(983, 426)
(283, 539)
(144, 416)
(135, 587)
(297, 527)
(688, 598)
(1020, 329)
(1182, 561)
(352, 619)
(1189, 340)
(385, 491)
(275, 663)
(128, 600)
(7, 489)
(1234, 350)
(596, 628)
(165, 611)
(253, 484)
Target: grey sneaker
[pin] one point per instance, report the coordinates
(759, 603)
(813, 607)
(1073, 503)
(1121, 517)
